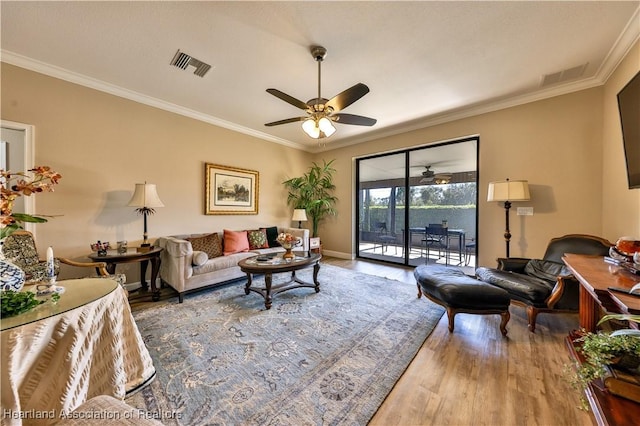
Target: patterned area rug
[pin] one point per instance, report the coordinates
(313, 358)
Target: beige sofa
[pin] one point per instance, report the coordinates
(180, 266)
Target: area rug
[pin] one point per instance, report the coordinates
(313, 358)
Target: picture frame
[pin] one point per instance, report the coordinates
(230, 190)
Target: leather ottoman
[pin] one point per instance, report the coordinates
(460, 293)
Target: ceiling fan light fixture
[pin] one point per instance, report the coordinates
(326, 126)
(442, 180)
(311, 128)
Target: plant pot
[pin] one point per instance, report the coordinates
(628, 362)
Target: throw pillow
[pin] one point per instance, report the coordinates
(199, 258)
(257, 239)
(209, 244)
(272, 234)
(235, 242)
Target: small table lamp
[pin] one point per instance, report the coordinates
(508, 191)
(145, 198)
(300, 215)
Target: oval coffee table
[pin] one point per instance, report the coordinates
(275, 265)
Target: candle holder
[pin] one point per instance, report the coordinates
(48, 288)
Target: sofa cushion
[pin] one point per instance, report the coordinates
(257, 239)
(221, 263)
(272, 234)
(525, 288)
(209, 244)
(235, 242)
(546, 269)
(199, 258)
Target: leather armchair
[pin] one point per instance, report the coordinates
(544, 285)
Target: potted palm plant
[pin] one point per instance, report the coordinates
(313, 192)
(620, 348)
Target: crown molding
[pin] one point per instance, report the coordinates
(629, 36)
(92, 83)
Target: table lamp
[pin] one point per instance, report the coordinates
(300, 215)
(145, 198)
(508, 191)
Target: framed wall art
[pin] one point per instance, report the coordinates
(230, 190)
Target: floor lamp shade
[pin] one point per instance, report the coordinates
(145, 199)
(508, 191)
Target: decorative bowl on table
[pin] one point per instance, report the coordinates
(626, 249)
(288, 242)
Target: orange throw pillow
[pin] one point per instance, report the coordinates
(235, 242)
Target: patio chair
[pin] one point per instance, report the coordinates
(384, 237)
(436, 236)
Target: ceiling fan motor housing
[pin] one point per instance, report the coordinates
(318, 53)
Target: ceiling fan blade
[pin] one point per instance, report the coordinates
(289, 99)
(358, 120)
(286, 121)
(349, 96)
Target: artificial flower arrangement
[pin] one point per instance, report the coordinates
(286, 239)
(13, 185)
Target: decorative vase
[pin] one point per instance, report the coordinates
(288, 253)
(11, 276)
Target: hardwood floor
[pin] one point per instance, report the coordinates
(474, 376)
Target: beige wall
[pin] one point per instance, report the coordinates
(620, 205)
(569, 148)
(102, 145)
(554, 144)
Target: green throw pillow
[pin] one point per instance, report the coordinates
(257, 239)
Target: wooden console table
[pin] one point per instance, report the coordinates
(596, 276)
(112, 258)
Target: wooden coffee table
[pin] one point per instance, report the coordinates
(252, 266)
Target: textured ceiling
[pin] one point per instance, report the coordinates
(424, 62)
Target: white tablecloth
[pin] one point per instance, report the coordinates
(55, 364)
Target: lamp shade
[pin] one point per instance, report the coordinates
(311, 128)
(145, 195)
(299, 215)
(326, 126)
(508, 190)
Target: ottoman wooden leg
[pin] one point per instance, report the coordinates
(451, 314)
(503, 324)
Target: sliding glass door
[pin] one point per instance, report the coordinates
(403, 195)
(381, 202)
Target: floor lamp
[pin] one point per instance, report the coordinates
(508, 191)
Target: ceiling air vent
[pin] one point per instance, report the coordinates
(182, 61)
(562, 76)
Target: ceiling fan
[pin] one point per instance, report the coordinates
(321, 112)
(429, 176)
